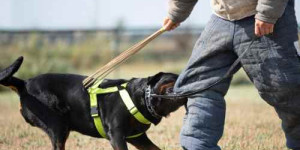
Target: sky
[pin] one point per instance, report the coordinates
(86, 14)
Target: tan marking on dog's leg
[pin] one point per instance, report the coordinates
(13, 88)
(20, 106)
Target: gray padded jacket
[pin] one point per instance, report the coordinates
(264, 10)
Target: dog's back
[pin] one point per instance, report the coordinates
(65, 95)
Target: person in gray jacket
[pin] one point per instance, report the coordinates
(272, 64)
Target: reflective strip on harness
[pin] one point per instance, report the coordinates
(94, 90)
(131, 107)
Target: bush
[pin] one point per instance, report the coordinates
(41, 56)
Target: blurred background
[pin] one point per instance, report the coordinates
(79, 36)
(75, 36)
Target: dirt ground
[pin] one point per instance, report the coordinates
(250, 125)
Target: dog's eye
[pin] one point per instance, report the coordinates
(169, 90)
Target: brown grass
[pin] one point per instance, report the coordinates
(250, 125)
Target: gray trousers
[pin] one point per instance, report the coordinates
(272, 64)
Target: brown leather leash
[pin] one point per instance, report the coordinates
(114, 63)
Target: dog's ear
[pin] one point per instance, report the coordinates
(154, 79)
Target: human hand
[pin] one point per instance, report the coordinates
(170, 25)
(263, 28)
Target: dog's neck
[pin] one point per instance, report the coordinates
(139, 99)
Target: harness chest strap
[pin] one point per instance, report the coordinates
(95, 115)
(94, 90)
(132, 108)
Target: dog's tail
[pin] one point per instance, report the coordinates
(6, 76)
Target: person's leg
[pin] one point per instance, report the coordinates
(291, 127)
(211, 58)
(274, 67)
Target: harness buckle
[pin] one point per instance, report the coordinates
(133, 110)
(94, 111)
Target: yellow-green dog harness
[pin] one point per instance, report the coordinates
(94, 90)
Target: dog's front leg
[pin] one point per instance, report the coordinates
(117, 139)
(143, 143)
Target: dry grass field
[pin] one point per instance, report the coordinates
(250, 125)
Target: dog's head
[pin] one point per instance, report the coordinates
(163, 84)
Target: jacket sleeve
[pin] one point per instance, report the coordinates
(179, 10)
(270, 10)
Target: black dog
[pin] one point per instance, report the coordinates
(58, 104)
